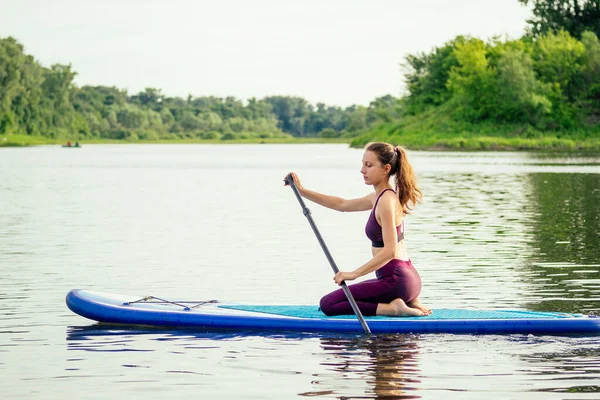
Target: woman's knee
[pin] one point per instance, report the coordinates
(325, 305)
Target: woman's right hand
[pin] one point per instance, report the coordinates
(296, 181)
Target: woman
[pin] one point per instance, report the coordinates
(396, 290)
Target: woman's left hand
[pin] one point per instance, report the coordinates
(344, 276)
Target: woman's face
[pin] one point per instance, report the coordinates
(372, 170)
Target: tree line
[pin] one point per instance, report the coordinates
(550, 78)
(36, 100)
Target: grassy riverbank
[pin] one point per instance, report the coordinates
(437, 130)
(25, 140)
(431, 130)
(410, 135)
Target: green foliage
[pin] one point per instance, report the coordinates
(530, 93)
(573, 16)
(426, 76)
(437, 128)
(519, 95)
(550, 82)
(329, 133)
(472, 82)
(132, 117)
(541, 91)
(228, 136)
(589, 98)
(558, 61)
(299, 118)
(291, 113)
(35, 100)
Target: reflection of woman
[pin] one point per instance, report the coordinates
(389, 362)
(396, 290)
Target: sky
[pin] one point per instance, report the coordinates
(338, 52)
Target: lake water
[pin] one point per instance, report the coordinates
(496, 230)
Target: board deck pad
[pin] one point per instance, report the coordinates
(438, 314)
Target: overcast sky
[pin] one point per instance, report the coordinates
(339, 52)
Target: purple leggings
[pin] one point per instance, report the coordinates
(396, 279)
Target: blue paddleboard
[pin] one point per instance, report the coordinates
(153, 311)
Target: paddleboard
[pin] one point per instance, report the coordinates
(154, 311)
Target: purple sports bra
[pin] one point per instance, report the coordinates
(373, 229)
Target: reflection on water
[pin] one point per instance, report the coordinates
(80, 334)
(382, 366)
(566, 364)
(497, 230)
(567, 222)
(340, 366)
(387, 365)
(565, 225)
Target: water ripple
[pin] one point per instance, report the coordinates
(496, 230)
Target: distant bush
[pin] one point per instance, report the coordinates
(330, 133)
(228, 136)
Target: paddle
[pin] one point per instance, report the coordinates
(290, 181)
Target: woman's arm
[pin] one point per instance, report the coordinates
(333, 202)
(387, 213)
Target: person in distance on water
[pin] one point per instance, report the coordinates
(395, 291)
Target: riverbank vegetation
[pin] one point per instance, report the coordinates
(541, 91)
(41, 105)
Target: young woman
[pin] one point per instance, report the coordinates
(396, 290)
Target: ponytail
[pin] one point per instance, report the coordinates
(405, 179)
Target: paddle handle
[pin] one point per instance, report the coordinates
(290, 181)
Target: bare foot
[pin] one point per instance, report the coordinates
(398, 308)
(416, 303)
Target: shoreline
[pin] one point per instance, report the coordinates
(30, 141)
(468, 144)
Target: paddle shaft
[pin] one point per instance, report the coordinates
(290, 181)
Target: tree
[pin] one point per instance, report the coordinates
(329, 133)
(20, 89)
(56, 96)
(190, 122)
(166, 117)
(58, 83)
(213, 121)
(590, 91)
(355, 118)
(558, 61)
(11, 60)
(472, 82)
(291, 112)
(132, 117)
(383, 109)
(521, 97)
(426, 76)
(259, 109)
(573, 16)
(150, 98)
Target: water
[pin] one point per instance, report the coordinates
(497, 230)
